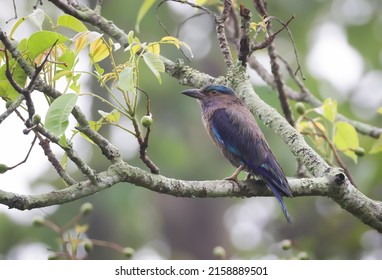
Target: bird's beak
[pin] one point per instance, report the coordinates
(195, 93)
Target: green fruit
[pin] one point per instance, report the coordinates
(3, 168)
(219, 252)
(359, 151)
(86, 208)
(36, 119)
(286, 244)
(147, 120)
(300, 108)
(38, 221)
(303, 256)
(88, 246)
(128, 252)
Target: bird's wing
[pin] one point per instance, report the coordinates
(237, 131)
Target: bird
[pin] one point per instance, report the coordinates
(233, 129)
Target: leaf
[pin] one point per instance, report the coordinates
(98, 50)
(377, 146)
(143, 11)
(171, 40)
(19, 76)
(126, 79)
(176, 42)
(200, 2)
(67, 59)
(112, 117)
(154, 63)
(154, 48)
(40, 41)
(37, 17)
(380, 110)
(81, 40)
(328, 109)
(57, 117)
(72, 23)
(346, 139)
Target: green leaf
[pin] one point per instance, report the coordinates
(40, 41)
(67, 59)
(346, 139)
(380, 110)
(19, 76)
(72, 23)
(81, 40)
(143, 11)
(154, 63)
(57, 117)
(126, 79)
(112, 117)
(98, 50)
(329, 109)
(377, 146)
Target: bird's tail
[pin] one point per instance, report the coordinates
(277, 194)
(273, 176)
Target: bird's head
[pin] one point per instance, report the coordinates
(210, 93)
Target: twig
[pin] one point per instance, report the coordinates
(334, 150)
(220, 32)
(44, 143)
(15, 11)
(261, 7)
(98, 7)
(144, 141)
(165, 29)
(245, 15)
(254, 47)
(38, 2)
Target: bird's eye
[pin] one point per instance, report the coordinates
(214, 92)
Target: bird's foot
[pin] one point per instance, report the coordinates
(233, 177)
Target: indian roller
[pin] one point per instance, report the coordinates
(235, 132)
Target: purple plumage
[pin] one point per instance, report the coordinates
(235, 132)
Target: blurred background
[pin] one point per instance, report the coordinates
(340, 47)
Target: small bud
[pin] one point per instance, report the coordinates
(302, 256)
(219, 252)
(128, 252)
(36, 119)
(38, 221)
(8, 103)
(286, 244)
(147, 120)
(300, 108)
(3, 168)
(359, 151)
(86, 208)
(88, 245)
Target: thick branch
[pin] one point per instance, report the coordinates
(331, 185)
(93, 17)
